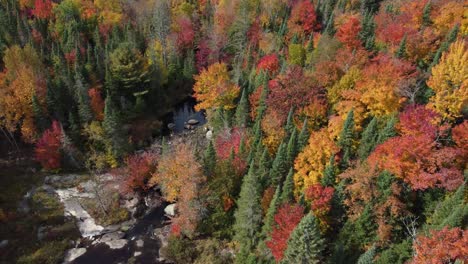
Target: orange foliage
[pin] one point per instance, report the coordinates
(303, 19)
(348, 33)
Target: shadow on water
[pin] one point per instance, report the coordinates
(143, 229)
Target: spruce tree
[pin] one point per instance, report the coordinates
(292, 148)
(451, 37)
(330, 28)
(451, 212)
(280, 166)
(368, 139)
(401, 52)
(264, 168)
(289, 122)
(84, 107)
(426, 18)
(270, 215)
(387, 131)
(346, 138)
(112, 128)
(303, 138)
(209, 159)
(305, 245)
(248, 216)
(367, 257)
(242, 110)
(287, 193)
(367, 33)
(329, 174)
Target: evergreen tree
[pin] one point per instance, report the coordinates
(330, 28)
(426, 19)
(84, 107)
(367, 33)
(369, 6)
(303, 136)
(401, 52)
(270, 215)
(292, 148)
(449, 39)
(369, 139)
(112, 128)
(40, 120)
(452, 212)
(388, 131)
(329, 174)
(346, 138)
(261, 105)
(264, 168)
(242, 110)
(305, 244)
(287, 194)
(209, 159)
(280, 166)
(367, 257)
(290, 122)
(248, 215)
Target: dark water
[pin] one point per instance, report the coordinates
(143, 229)
(181, 114)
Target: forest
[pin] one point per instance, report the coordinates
(336, 130)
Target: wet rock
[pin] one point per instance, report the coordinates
(114, 240)
(193, 122)
(117, 244)
(162, 234)
(139, 243)
(171, 126)
(73, 254)
(4, 243)
(136, 254)
(170, 210)
(153, 200)
(209, 135)
(188, 127)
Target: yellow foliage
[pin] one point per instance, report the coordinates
(347, 82)
(311, 163)
(449, 80)
(453, 12)
(213, 88)
(154, 54)
(109, 10)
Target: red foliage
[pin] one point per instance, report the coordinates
(303, 19)
(269, 63)
(37, 36)
(228, 141)
(202, 55)
(286, 219)
(70, 57)
(460, 136)
(139, 169)
(185, 33)
(97, 104)
(42, 9)
(254, 100)
(320, 197)
(441, 246)
(253, 35)
(392, 28)
(47, 150)
(176, 230)
(292, 89)
(418, 120)
(348, 33)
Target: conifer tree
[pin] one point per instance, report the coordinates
(346, 138)
(242, 110)
(305, 244)
(329, 174)
(303, 138)
(270, 215)
(39, 119)
(289, 122)
(449, 39)
(112, 128)
(401, 52)
(387, 131)
(367, 257)
(369, 139)
(292, 148)
(426, 19)
(287, 193)
(452, 211)
(264, 168)
(84, 107)
(279, 167)
(209, 159)
(248, 215)
(330, 28)
(367, 33)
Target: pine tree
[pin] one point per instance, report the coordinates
(84, 107)
(452, 212)
(401, 52)
(262, 104)
(289, 122)
(112, 128)
(367, 33)
(305, 244)
(264, 168)
(369, 139)
(388, 131)
(248, 214)
(426, 19)
(329, 174)
(367, 257)
(270, 215)
(303, 136)
(209, 159)
(292, 148)
(242, 110)
(346, 138)
(369, 6)
(287, 193)
(280, 167)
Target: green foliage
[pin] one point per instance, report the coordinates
(401, 51)
(367, 257)
(397, 253)
(329, 174)
(242, 110)
(180, 250)
(287, 194)
(292, 148)
(209, 159)
(279, 168)
(368, 139)
(449, 39)
(387, 131)
(249, 213)
(296, 54)
(50, 253)
(452, 211)
(346, 138)
(305, 244)
(84, 107)
(367, 33)
(303, 136)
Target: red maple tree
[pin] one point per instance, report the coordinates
(47, 150)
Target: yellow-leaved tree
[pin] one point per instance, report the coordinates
(214, 89)
(449, 80)
(311, 163)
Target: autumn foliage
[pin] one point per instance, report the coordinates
(138, 171)
(286, 219)
(47, 150)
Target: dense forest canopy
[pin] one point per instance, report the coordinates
(340, 130)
